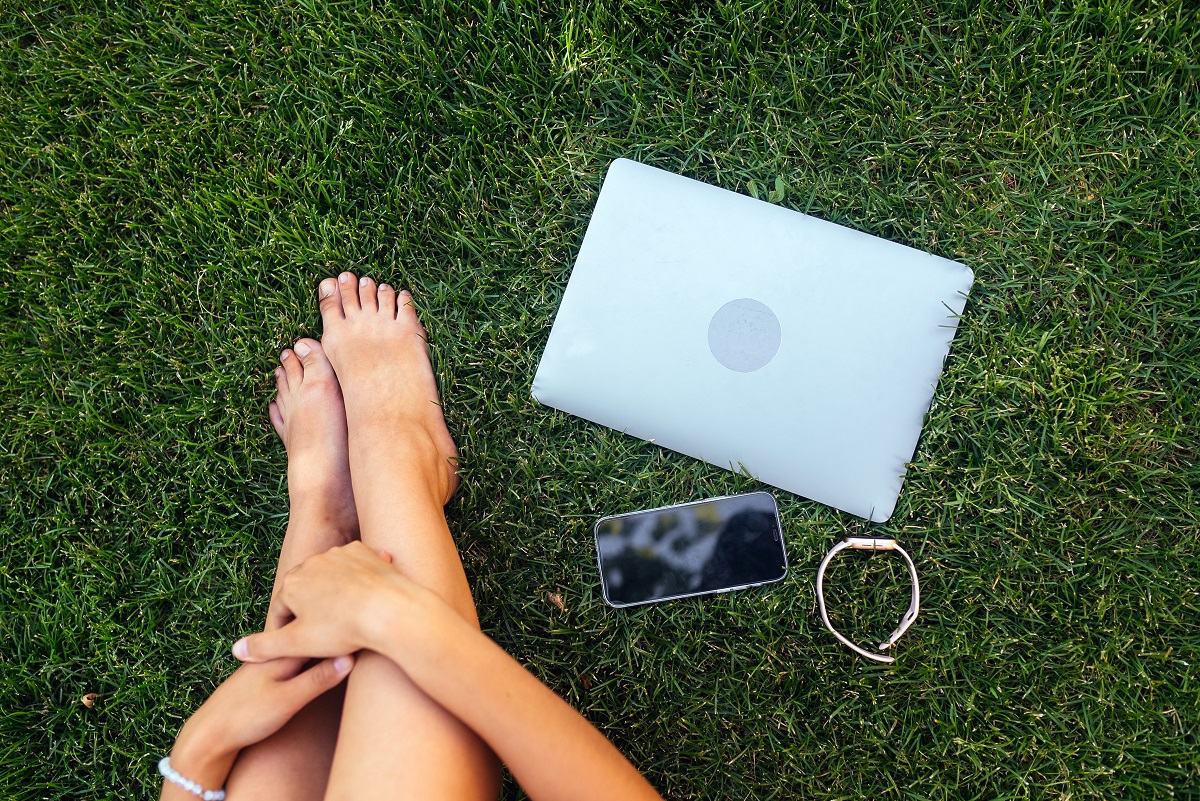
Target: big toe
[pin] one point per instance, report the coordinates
(330, 301)
(316, 363)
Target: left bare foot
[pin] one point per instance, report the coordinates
(310, 417)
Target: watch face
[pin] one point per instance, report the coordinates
(871, 543)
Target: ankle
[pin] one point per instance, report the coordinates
(395, 433)
(408, 450)
(325, 512)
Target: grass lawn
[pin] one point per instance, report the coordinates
(175, 177)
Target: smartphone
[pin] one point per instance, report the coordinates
(719, 544)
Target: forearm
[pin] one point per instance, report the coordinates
(549, 747)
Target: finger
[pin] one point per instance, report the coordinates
(323, 676)
(287, 668)
(268, 645)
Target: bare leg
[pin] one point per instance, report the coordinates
(394, 740)
(310, 418)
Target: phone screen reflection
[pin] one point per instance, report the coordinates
(684, 550)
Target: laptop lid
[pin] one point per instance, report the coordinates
(753, 337)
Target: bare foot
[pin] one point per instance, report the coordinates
(379, 351)
(310, 418)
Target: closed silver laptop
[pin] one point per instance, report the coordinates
(753, 337)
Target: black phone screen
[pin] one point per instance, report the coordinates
(694, 548)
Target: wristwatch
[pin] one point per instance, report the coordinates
(907, 619)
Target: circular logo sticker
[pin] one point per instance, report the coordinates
(744, 335)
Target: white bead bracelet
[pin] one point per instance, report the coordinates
(175, 777)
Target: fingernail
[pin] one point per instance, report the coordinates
(342, 664)
(327, 287)
(284, 355)
(343, 278)
(240, 650)
(301, 349)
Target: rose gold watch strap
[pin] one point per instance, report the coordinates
(906, 620)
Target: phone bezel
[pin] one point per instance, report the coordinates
(600, 565)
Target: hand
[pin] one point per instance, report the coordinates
(343, 600)
(249, 706)
(255, 702)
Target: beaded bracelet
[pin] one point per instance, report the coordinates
(175, 777)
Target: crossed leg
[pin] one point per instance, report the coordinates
(393, 739)
(310, 418)
(390, 479)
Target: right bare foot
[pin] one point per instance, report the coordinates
(379, 351)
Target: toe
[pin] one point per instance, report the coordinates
(276, 419)
(291, 366)
(281, 380)
(330, 301)
(366, 294)
(387, 301)
(348, 286)
(312, 356)
(406, 312)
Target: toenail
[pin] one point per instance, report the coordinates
(363, 281)
(344, 277)
(385, 288)
(302, 349)
(327, 287)
(284, 355)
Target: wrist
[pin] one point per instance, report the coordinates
(201, 755)
(412, 625)
(429, 644)
(383, 621)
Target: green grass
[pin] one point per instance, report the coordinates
(177, 176)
